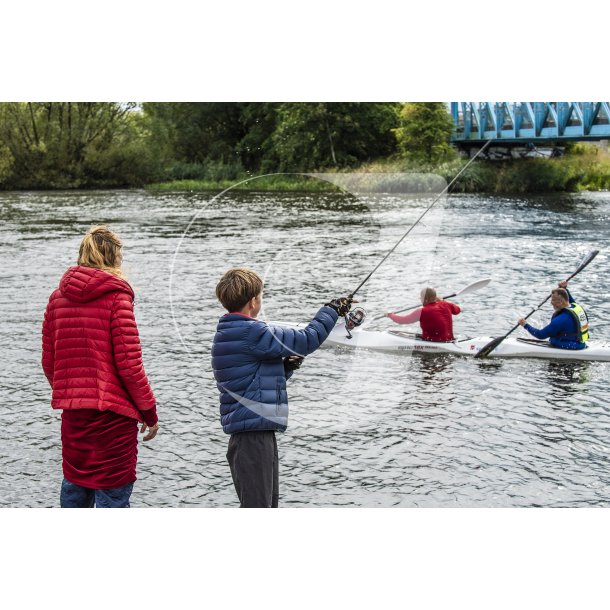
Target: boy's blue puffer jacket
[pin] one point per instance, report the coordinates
(247, 358)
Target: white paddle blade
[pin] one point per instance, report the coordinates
(473, 287)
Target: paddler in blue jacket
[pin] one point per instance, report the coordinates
(569, 326)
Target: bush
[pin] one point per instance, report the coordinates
(6, 164)
(182, 170)
(223, 170)
(123, 165)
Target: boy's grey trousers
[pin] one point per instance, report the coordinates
(254, 464)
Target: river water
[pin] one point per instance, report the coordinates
(365, 429)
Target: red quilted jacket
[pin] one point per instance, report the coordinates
(91, 350)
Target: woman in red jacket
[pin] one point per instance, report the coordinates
(435, 317)
(92, 357)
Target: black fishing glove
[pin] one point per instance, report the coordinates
(341, 306)
(292, 363)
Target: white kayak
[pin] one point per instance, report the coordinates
(400, 341)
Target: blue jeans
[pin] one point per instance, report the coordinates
(75, 496)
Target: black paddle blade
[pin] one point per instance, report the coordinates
(490, 347)
(585, 262)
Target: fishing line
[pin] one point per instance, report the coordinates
(443, 192)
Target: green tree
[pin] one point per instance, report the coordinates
(256, 148)
(129, 160)
(425, 131)
(321, 135)
(196, 131)
(6, 163)
(271, 136)
(50, 143)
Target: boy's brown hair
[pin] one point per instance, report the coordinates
(237, 286)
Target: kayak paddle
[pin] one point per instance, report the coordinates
(491, 346)
(476, 286)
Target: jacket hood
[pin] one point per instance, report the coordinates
(84, 284)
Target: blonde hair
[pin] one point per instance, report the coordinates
(428, 295)
(101, 249)
(237, 286)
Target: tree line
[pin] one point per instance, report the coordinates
(47, 145)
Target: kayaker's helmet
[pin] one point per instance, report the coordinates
(355, 318)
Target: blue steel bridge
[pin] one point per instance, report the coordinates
(529, 123)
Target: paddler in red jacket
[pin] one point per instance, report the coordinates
(92, 357)
(435, 317)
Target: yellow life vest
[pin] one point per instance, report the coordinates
(582, 322)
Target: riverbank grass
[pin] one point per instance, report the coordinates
(583, 168)
(249, 183)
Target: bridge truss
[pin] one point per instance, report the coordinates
(518, 123)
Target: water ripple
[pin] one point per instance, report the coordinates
(365, 429)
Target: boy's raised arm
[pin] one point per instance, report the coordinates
(269, 342)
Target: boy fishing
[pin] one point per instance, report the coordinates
(251, 363)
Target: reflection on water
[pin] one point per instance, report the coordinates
(569, 376)
(365, 429)
(435, 372)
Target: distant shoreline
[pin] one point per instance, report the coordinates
(568, 174)
(586, 170)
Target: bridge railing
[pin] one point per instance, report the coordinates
(520, 122)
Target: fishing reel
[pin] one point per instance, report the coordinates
(354, 319)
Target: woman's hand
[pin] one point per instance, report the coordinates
(521, 322)
(152, 431)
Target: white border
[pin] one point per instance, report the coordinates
(311, 51)
(305, 558)
(306, 51)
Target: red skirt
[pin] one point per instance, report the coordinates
(99, 448)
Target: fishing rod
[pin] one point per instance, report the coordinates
(443, 192)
